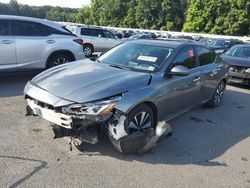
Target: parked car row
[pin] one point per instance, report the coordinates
(29, 43)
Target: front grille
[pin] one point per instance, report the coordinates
(40, 103)
(238, 69)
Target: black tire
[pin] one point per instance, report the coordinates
(218, 95)
(88, 50)
(58, 59)
(134, 123)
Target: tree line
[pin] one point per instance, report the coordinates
(228, 17)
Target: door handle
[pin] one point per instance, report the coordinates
(218, 68)
(215, 71)
(197, 79)
(50, 41)
(7, 41)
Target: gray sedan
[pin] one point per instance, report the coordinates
(128, 91)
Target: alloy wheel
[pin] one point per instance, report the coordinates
(140, 122)
(59, 61)
(87, 51)
(219, 93)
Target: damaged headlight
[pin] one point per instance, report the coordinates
(101, 108)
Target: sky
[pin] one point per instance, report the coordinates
(61, 3)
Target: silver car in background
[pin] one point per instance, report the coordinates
(96, 39)
(128, 91)
(30, 43)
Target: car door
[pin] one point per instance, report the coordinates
(7, 47)
(101, 40)
(210, 70)
(180, 93)
(32, 43)
(111, 40)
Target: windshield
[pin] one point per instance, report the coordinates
(239, 51)
(137, 57)
(217, 43)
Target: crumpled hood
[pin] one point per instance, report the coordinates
(85, 81)
(237, 61)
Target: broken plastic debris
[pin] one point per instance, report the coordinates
(162, 129)
(118, 131)
(141, 142)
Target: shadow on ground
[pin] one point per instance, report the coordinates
(199, 137)
(42, 164)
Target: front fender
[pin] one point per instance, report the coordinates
(131, 99)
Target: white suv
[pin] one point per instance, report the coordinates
(30, 43)
(96, 39)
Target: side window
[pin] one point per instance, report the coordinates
(108, 35)
(27, 28)
(185, 58)
(99, 33)
(85, 32)
(205, 55)
(4, 27)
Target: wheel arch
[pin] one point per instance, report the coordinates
(67, 52)
(152, 105)
(224, 80)
(87, 43)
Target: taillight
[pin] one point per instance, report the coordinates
(79, 41)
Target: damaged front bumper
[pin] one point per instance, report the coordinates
(84, 128)
(90, 129)
(50, 115)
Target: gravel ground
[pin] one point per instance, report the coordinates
(208, 148)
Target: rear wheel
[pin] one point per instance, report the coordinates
(218, 95)
(59, 59)
(88, 50)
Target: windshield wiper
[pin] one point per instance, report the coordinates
(119, 66)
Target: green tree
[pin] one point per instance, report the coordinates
(230, 17)
(13, 7)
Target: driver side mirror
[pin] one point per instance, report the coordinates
(180, 71)
(99, 35)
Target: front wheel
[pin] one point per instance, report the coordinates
(218, 95)
(140, 119)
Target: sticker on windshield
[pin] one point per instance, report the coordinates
(147, 58)
(150, 68)
(191, 53)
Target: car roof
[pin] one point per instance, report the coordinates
(23, 18)
(162, 43)
(241, 45)
(92, 27)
